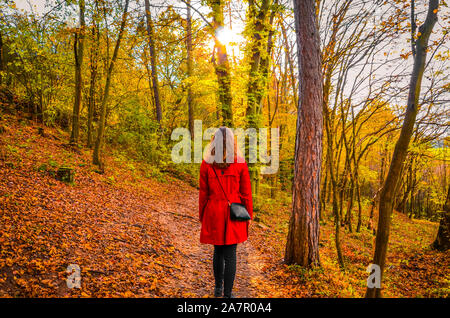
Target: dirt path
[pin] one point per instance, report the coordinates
(178, 215)
(131, 236)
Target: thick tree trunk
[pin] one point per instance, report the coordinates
(151, 43)
(260, 48)
(265, 58)
(401, 147)
(303, 238)
(222, 65)
(101, 126)
(442, 242)
(78, 52)
(254, 89)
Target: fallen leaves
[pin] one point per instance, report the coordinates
(129, 242)
(47, 225)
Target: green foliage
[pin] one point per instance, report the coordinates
(138, 133)
(286, 173)
(12, 149)
(42, 168)
(52, 163)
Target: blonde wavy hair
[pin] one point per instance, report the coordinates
(223, 142)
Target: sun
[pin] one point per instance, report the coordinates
(228, 37)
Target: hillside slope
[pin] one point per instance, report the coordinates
(136, 236)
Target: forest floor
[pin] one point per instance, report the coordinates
(135, 233)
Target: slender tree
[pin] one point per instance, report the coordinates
(388, 191)
(303, 238)
(93, 57)
(101, 126)
(442, 242)
(189, 67)
(78, 53)
(154, 73)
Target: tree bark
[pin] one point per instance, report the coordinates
(401, 147)
(78, 52)
(151, 44)
(93, 81)
(101, 126)
(222, 66)
(303, 238)
(260, 51)
(254, 89)
(442, 242)
(189, 68)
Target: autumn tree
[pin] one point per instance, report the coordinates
(93, 62)
(302, 245)
(154, 70)
(189, 67)
(78, 54)
(388, 191)
(101, 126)
(261, 16)
(221, 64)
(442, 241)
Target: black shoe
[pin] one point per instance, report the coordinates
(218, 291)
(229, 296)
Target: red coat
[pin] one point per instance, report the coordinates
(217, 227)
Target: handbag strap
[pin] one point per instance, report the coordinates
(220, 184)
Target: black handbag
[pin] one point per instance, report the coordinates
(238, 212)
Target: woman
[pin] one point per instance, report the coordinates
(223, 163)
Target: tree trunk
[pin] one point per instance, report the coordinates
(189, 68)
(255, 87)
(92, 85)
(358, 198)
(401, 147)
(151, 44)
(348, 216)
(78, 52)
(442, 242)
(323, 191)
(101, 126)
(222, 66)
(260, 48)
(1, 59)
(333, 190)
(303, 238)
(290, 62)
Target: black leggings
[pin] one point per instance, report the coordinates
(224, 265)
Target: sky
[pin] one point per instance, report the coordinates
(38, 5)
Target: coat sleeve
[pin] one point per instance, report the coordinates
(204, 189)
(245, 190)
